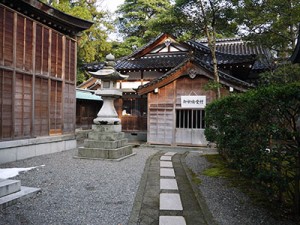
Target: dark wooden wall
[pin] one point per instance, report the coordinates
(136, 120)
(37, 78)
(86, 112)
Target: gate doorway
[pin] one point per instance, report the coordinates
(190, 127)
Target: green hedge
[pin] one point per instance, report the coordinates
(257, 133)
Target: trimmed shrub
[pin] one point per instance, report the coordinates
(258, 133)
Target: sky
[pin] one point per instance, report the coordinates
(111, 5)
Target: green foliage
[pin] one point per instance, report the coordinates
(277, 28)
(212, 85)
(257, 133)
(216, 16)
(283, 74)
(134, 17)
(126, 47)
(92, 44)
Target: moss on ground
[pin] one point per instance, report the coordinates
(220, 168)
(195, 178)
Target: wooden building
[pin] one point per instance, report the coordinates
(165, 72)
(37, 79)
(87, 106)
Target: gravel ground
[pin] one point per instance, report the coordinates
(228, 205)
(77, 191)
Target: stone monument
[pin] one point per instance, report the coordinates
(106, 140)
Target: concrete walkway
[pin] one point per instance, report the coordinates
(167, 195)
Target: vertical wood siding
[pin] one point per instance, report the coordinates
(160, 115)
(162, 112)
(37, 78)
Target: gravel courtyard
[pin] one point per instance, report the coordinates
(76, 191)
(96, 192)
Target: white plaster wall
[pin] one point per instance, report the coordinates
(22, 149)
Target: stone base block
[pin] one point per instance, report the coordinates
(100, 153)
(8, 187)
(105, 136)
(25, 192)
(107, 128)
(105, 144)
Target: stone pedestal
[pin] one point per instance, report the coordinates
(105, 142)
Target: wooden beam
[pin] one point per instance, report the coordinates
(49, 80)
(14, 74)
(32, 132)
(63, 81)
(176, 74)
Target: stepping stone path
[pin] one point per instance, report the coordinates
(166, 196)
(168, 199)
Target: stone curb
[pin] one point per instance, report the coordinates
(198, 195)
(137, 204)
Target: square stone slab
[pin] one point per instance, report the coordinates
(170, 201)
(168, 184)
(166, 158)
(166, 164)
(166, 172)
(170, 153)
(172, 220)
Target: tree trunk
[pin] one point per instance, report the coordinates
(211, 39)
(210, 31)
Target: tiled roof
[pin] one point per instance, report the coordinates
(151, 62)
(157, 62)
(203, 52)
(237, 46)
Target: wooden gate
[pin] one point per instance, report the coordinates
(190, 127)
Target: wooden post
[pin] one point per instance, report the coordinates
(14, 73)
(32, 132)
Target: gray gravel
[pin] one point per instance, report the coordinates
(96, 192)
(228, 205)
(77, 191)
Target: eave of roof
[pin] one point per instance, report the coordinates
(237, 46)
(144, 63)
(49, 16)
(87, 95)
(162, 81)
(144, 49)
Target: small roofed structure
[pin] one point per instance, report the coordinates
(106, 140)
(87, 106)
(38, 50)
(109, 91)
(166, 69)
